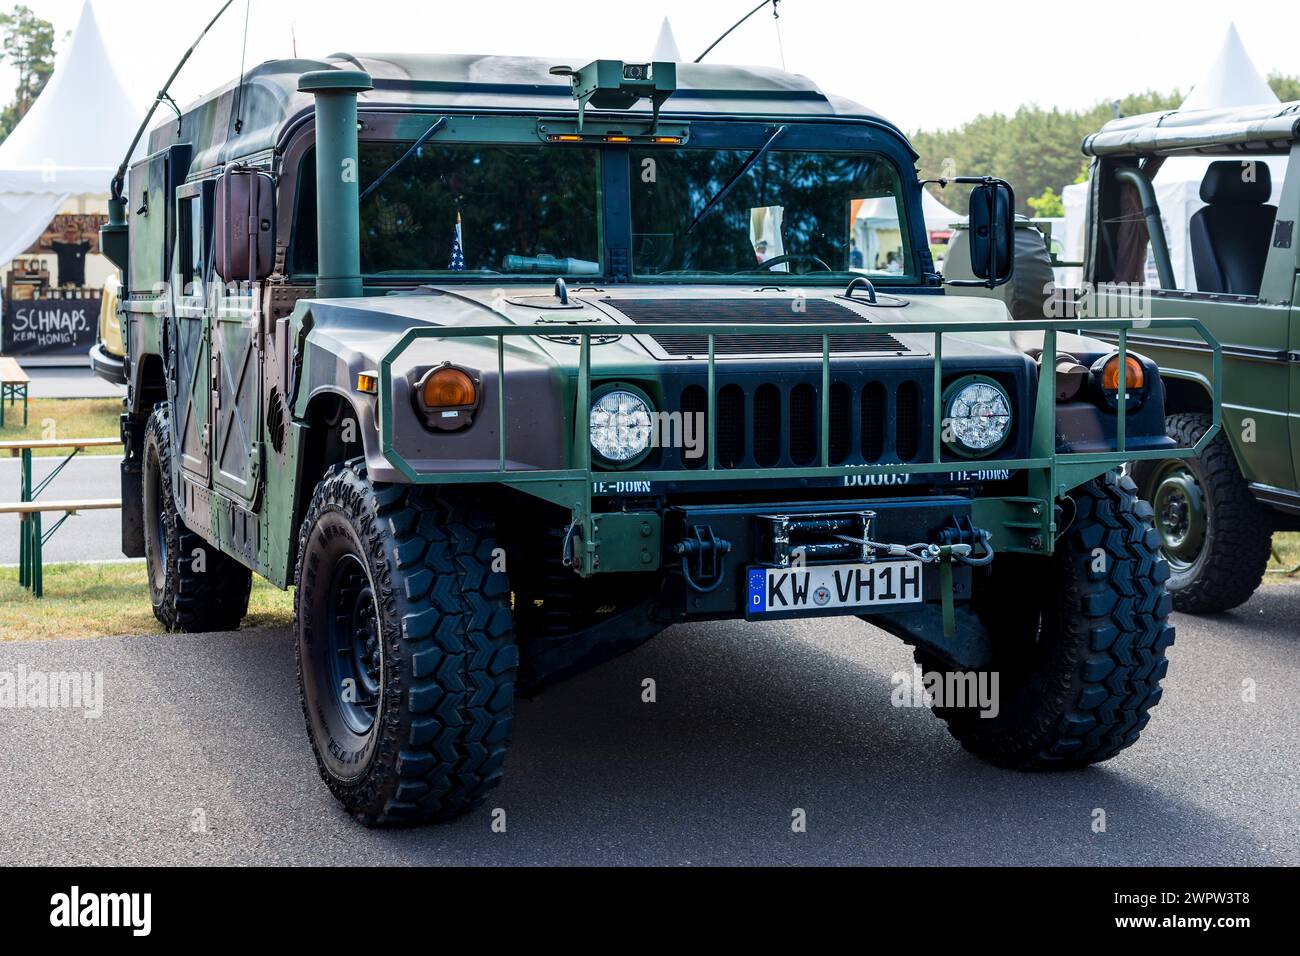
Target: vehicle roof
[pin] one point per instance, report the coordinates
(269, 101)
(1237, 129)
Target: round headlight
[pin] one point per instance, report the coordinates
(978, 417)
(621, 426)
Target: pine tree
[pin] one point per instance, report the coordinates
(27, 46)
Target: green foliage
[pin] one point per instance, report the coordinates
(1034, 149)
(27, 44)
(1286, 87)
(1048, 205)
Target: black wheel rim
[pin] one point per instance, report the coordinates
(1181, 516)
(356, 653)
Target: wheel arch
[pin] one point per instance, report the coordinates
(1187, 393)
(148, 385)
(322, 438)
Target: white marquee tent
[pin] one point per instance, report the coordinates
(70, 142)
(876, 227)
(1231, 80)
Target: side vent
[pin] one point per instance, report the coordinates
(275, 420)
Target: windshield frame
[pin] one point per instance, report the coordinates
(613, 210)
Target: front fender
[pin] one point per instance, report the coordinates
(336, 345)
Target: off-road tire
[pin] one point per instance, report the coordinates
(444, 680)
(193, 586)
(1238, 532)
(1080, 669)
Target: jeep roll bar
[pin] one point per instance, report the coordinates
(1155, 228)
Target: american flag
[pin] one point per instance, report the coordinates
(457, 263)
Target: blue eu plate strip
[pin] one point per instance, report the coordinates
(757, 590)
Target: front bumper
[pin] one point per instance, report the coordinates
(109, 367)
(747, 531)
(609, 537)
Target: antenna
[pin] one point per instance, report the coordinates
(738, 23)
(243, 52)
(119, 178)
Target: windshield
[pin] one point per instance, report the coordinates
(820, 214)
(469, 210)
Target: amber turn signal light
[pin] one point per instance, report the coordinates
(1110, 374)
(449, 387)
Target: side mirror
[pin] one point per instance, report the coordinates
(992, 231)
(245, 226)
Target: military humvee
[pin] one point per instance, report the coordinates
(1216, 512)
(508, 366)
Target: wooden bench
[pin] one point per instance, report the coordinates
(68, 507)
(29, 510)
(13, 385)
(16, 448)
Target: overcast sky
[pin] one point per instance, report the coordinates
(924, 65)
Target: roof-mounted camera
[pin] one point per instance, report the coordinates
(615, 85)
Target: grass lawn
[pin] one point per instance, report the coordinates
(100, 600)
(1286, 545)
(65, 418)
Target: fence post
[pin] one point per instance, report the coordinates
(25, 520)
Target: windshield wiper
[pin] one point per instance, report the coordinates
(424, 138)
(745, 167)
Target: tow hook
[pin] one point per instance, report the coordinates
(962, 538)
(957, 543)
(703, 558)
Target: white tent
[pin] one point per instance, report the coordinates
(70, 142)
(666, 44)
(1231, 80)
(876, 229)
(938, 217)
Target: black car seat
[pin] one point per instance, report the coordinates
(1230, 236)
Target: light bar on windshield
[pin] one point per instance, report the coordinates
(613, 138)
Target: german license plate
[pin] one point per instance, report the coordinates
(832, 586)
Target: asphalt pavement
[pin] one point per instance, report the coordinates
(76, 381)
(200, 756)
(87, 536)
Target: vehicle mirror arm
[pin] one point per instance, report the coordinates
(942, 182)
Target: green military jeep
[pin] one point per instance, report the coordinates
(1233, 267)
(508, 366)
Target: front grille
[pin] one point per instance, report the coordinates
(804, 434)
(766, 425)
(792, 312)
(906, 419)
(873, 421)
(730, 425)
